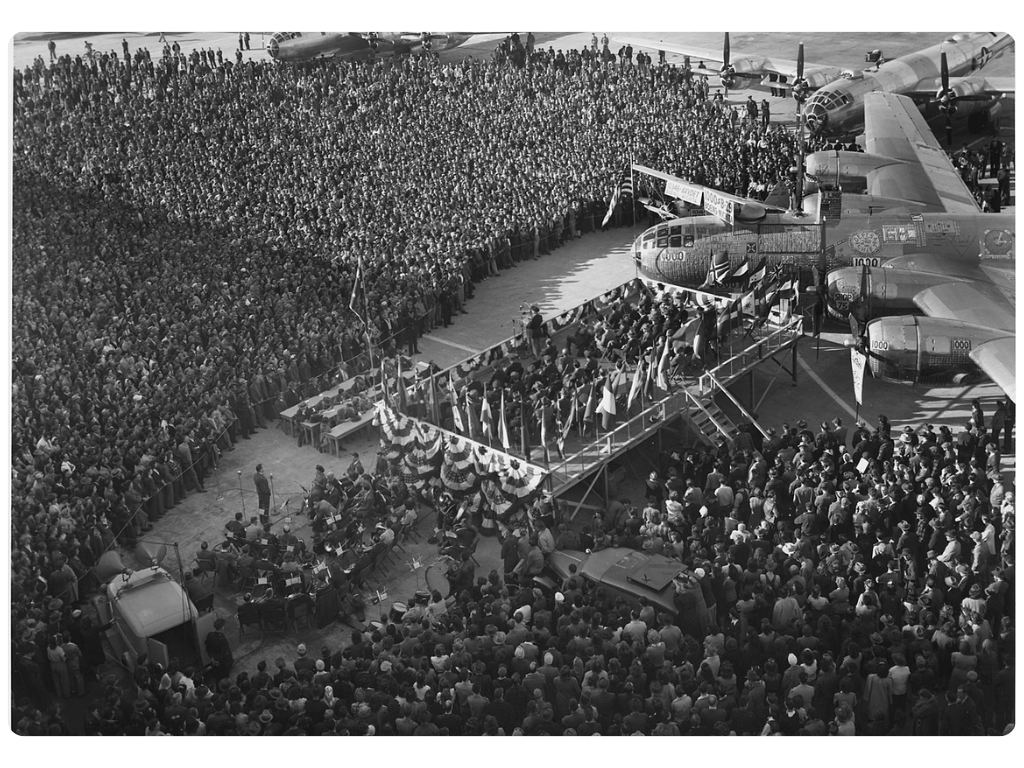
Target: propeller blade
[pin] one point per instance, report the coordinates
(800, 62)
(725, 51)
(945, 72)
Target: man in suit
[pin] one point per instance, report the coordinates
(262, 492)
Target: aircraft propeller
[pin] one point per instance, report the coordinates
(800, 85)
(860, 315)
(947, 100)
(800, 95)
(728, 71)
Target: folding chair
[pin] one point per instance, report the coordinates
(247, 576)
(302, 614)
(249, 614)
(204, 568)
(275, 619)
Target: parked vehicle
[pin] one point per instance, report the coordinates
(632, 574)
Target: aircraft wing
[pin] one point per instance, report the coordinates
(759, 63)
(933, 264)
(895, 128)
(998, 359)
(989, 307)
(980, 88)
(981, 304)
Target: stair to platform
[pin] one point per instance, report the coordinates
(709, 421)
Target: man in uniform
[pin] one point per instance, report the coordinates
(262, 492)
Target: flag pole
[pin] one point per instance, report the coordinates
(632, 196)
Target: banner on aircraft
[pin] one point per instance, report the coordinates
(858, 361)
(718, 205)
(688, 193)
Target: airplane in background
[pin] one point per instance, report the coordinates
(915, 216)
(742, 70)
(304, 46)
(943, 79)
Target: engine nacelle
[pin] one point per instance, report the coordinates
(891, 291)
(822, 76)
(851, 167)
(916, 349)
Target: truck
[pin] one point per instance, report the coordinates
(631, 574)
(150, 613)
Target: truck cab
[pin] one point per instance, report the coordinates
(151, 614)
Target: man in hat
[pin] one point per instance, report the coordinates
(220, 650)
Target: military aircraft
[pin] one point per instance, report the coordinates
(742, 70)
(943, 79)
(303, 46)
(915, 216)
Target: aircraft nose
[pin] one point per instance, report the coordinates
(817, 117)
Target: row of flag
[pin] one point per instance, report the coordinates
(719, 272)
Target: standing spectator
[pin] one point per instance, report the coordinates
(262, 493)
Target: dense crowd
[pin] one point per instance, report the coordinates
(858, 582)
(187, 233)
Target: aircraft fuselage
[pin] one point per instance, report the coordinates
(838, 107)
(679, 251)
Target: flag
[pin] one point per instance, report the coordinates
(689, 330)
(403, 396)
(623, 190)
(729, 316)
(357, 300)
(857, 362)
(385, 391)
(789, 291)
(759, 273)
(545, 410)
(634, 390)
(741, 271)
(662, 377)
(700, 338)
(487, 420)
(503, 426)
(607, 405)
(564, 433)
(761, 306)
(524, 426)
(718, 270)
(472, 418)
(460, 426)
(588, 413)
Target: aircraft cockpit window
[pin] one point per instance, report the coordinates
(675, 239)
(845, 98)
(688, 240)
(648, 237)
(663, 237)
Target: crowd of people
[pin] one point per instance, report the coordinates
(187, 231)
(858, 582)
(188, 237)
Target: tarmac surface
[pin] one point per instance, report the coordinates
(569, 276)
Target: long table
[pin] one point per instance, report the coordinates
(347, 429)
(288, 416)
